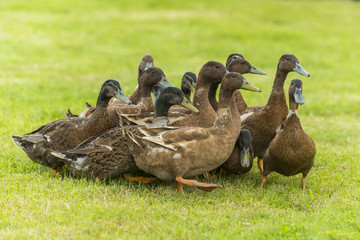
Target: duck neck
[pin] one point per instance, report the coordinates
(144, 99)
(161, 108)
(99, 115)
(187, 94)
(227, 115)
(293, 106)
(134, 96)
(201, 100)
(277, 93)
(212, 96)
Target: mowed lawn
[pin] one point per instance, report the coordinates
(55, 55)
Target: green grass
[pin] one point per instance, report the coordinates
(55, 55)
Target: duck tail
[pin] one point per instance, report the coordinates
(19, 141)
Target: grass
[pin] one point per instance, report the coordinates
(56, 54)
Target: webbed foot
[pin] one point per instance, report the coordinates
(139, 179)
(202, 186)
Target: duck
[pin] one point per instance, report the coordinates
(292, 151)
(146, 62)
(177, 154)
(67, 133)
(234, 63)
(106, 155)
(241, 159)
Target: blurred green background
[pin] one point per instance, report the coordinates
(55, 55)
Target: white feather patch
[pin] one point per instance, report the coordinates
(106, 146)
(79, 162)
(246, 115)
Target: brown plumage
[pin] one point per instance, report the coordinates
(67, 133)
(191, 151)
(292, 151)
(263, 121)
(106, 155)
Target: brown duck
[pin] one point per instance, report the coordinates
(191, 151)
(292, 151)
(67, 133)
(106, 155)
(262, 122)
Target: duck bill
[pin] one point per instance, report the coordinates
(148, 65)
(298, 96)
(299, 69)
(156, 93)
(164, 83)
(186, 104)
(248, 86)
(120, 95)
(254, 70)
(245, 157)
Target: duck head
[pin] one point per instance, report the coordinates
(146, 62)
(233, 81)
(211, 72)
(244, 142)
(171, 96)
(188, 82)
(153, 77)
(295, 94)
(111, 88)
(232, 57)
(237, 63)
(289, 63)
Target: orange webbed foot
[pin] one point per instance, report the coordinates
(57, 170)
(139, 179)
(202, 186)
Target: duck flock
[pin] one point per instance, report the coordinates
(158, 128)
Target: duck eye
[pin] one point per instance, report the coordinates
(243, 63)
(217, 67)
(287, 59)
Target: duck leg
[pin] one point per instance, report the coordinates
(180, 187)
(260, 165)
(303, 181)
(263, 182)
(202, 186)
(57, 170)
(139, 179)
